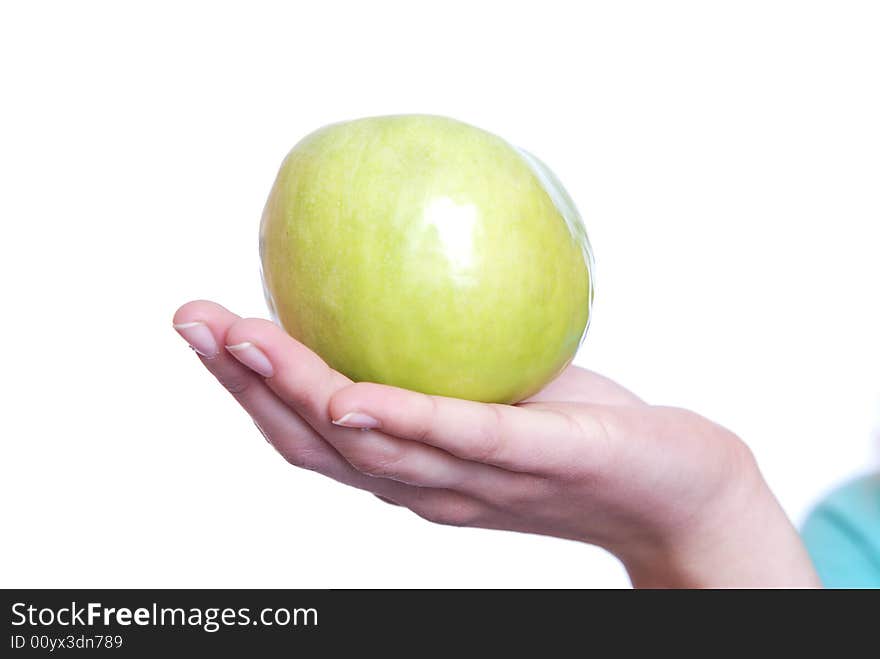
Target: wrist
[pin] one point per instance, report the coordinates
(742, 539)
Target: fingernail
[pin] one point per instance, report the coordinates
(357, 420)
(199, 337)
(252, 357)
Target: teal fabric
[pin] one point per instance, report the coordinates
(842, 535)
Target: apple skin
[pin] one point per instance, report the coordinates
(422, 252)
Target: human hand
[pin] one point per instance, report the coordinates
(678, 499)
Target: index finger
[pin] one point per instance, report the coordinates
(534, 439)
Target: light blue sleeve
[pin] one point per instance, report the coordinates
(842, 536)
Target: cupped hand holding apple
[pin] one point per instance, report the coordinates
(421, 252)
(678, 499)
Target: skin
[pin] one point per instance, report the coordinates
(678, 499)
(422, 252)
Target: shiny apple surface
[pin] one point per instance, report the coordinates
(425, 253)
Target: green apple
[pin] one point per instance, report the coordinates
(425, 253)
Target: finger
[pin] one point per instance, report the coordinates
(296, 374)
(306, 383)
(205, 325)
(445, 507)
(532, 440)
(382, 456)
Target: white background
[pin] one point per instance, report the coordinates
(725, 156)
